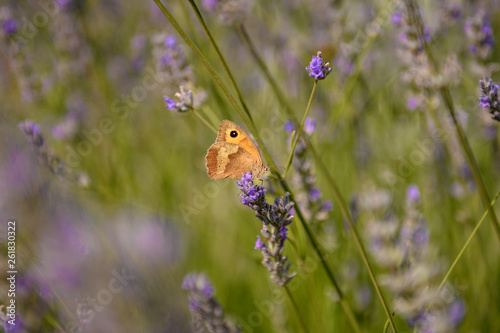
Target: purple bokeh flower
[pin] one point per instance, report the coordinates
(170, 41)
(456, 311)
(210, 4)
(10, 26)
(413, 193)
(315, 193)
(289, 126)
(412, 103)
(327, 206)
(397, 18)
(309, 125)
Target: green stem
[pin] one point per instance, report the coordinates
(296, 310)
(386, 326)
(221, 58)
(213, 129)
(357, 240)
(297, 134)
(446, 96)
(467, 243)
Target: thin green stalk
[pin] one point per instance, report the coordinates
(221, 58)
(467, 243)
(386, 326)
(213, 129)
(446, 96)
(296, 310)
(297, 134)
(357, 240)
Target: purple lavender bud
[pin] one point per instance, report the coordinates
(454, 11)
(317, 68)
(189, 282)
(251, 194)
(198, 282)
(10, 26)
(489, 97)
(170, 103)
(259, 245)
(486, 29)
(32, 132)
(207, 290)
(283, 232)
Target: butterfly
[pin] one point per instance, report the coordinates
(234, 153)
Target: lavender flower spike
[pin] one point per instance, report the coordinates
(317, 69)
(489, 97)
(204, 307)
(274, 219)
(408, 257)
(47, 157)
(185, 101)
(480, 35)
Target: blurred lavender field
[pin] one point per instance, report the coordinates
(381, 222)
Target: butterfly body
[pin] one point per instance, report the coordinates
(233, 154)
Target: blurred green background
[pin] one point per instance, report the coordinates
(149, 207)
